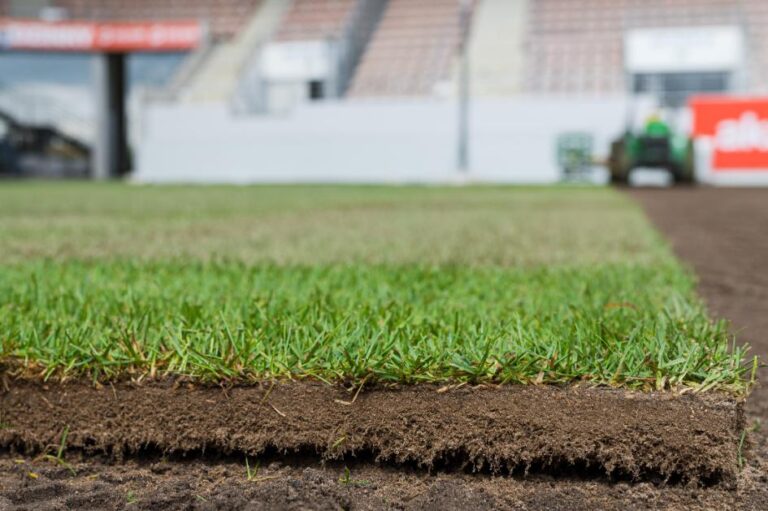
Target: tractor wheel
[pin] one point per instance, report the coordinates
(618, 163)
(683, 171)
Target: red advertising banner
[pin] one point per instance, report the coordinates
(737, 129)
(88, 36)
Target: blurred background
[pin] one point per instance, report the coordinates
(385, 91)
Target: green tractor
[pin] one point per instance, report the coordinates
(655, 146)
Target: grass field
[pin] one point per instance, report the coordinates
(509, 285)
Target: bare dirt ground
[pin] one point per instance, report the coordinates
(721, 233)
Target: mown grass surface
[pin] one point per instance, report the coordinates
(350, 284)
(324, 225)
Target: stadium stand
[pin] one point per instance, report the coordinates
(532, 46)
(315, 52)
(577, 47)
(315, 20)
(756, 11)
(220, 74)
(496, 47)
(412, 50)
(225, 17)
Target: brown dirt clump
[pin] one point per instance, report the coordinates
(507, 429)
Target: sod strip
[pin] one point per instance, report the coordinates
(619, 325)
(351, 284)
(324, 225)
(398, 291)
(532, 429)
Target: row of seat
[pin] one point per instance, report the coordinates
(315, 19)
(577, 46)
(225, 17)
(412, 50)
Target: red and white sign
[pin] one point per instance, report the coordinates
(736, 129)
(85, 36)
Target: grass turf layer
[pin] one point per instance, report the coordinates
(629, 325)
(412, 284)
(325, 225)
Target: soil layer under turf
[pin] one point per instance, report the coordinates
(619, 434)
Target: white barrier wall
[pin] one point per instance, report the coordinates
(512, 141)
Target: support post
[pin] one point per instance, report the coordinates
(110, 155)
(465, 16)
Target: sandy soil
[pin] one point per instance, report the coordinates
(721, 233)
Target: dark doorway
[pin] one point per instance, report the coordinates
(316, 90)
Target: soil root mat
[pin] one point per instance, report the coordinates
(658, 437)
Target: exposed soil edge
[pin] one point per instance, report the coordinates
(639, 436)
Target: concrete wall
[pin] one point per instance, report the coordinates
(512, 140)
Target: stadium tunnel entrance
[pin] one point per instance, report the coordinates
(111, 43)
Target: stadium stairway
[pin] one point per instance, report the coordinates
(496, 47)
(219, 75)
